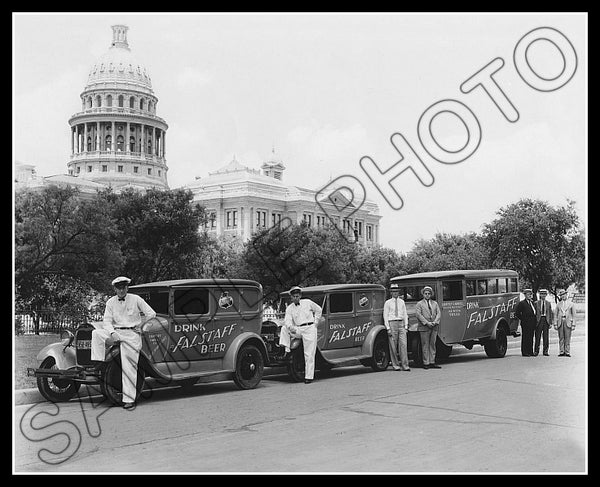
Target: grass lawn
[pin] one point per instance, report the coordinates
(26, 349)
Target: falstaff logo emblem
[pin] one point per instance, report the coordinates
(363, 301)
(225, 301)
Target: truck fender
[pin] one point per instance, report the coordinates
(64, 357)
(498, 323)
(236, 344)
(372, 334)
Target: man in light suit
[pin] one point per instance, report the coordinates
(429, 316)
(564, 323)
(525, 312)
(543, 313)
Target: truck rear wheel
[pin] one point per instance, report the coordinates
(249, 367)
(497, 348)
(381, 353)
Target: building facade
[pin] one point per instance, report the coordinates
(117, 139)
(241, 201)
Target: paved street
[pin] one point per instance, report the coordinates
(476, 414)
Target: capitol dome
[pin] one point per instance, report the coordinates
(117, 138)
(119, 66)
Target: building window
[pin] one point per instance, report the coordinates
(231, 218)
(107, 142)
(89, 169)
(119, 168)
(104, 168)
(358, 229)
(306, 218)
(132, 144)
(149, 171)
(159, 173)
(78, 169)
(261, 219)
(121, 101)
(109, 101)
(211, 222)
(120, 143)
(275, 219)
(277, 175)
(369, 232)
(135, 169)
(132, 102)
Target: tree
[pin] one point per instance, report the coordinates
(447, 252)
(159, 233)
(377, 265)
(65, 247)
(544, 244)
(291, 254)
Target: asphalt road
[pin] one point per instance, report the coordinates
(475, 415)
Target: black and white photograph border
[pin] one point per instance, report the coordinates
(414, 125)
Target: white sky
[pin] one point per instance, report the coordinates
(326, 90)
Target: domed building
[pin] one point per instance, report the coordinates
(117, 139)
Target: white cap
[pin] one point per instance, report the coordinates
(119, 279)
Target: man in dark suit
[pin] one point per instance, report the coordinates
(543, 312)
(525, 312)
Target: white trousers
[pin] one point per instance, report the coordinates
(309, 342)
(131, 344)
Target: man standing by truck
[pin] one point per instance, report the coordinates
(395, 318)
(429, 316)
(525, 312)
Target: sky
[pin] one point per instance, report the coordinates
(325, 91)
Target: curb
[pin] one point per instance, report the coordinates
(28, 396)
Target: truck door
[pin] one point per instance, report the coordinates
(453, 308)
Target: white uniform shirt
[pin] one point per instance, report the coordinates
(307, 311)
(389, 312)
(126, 313)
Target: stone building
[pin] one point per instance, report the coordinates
(241, 201)
(117, 139)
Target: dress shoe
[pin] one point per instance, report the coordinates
(567, 354)
(129, 406)
(405, 370)
(307, 381)
(425, 367)
(561, 354)
(434, 366)
(546, 354)
(535, 354)
(397, 368)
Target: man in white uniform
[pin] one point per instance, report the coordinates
(301, 318)
(123, 317)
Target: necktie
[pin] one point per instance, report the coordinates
(297, 304)
(396, 303)
(543, 309)
(429, 306)
(122, 299)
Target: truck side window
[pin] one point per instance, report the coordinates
(452, 290)
(158, 300)
(340, 302)
(470, 287)
(482, 286)
(191, 301)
